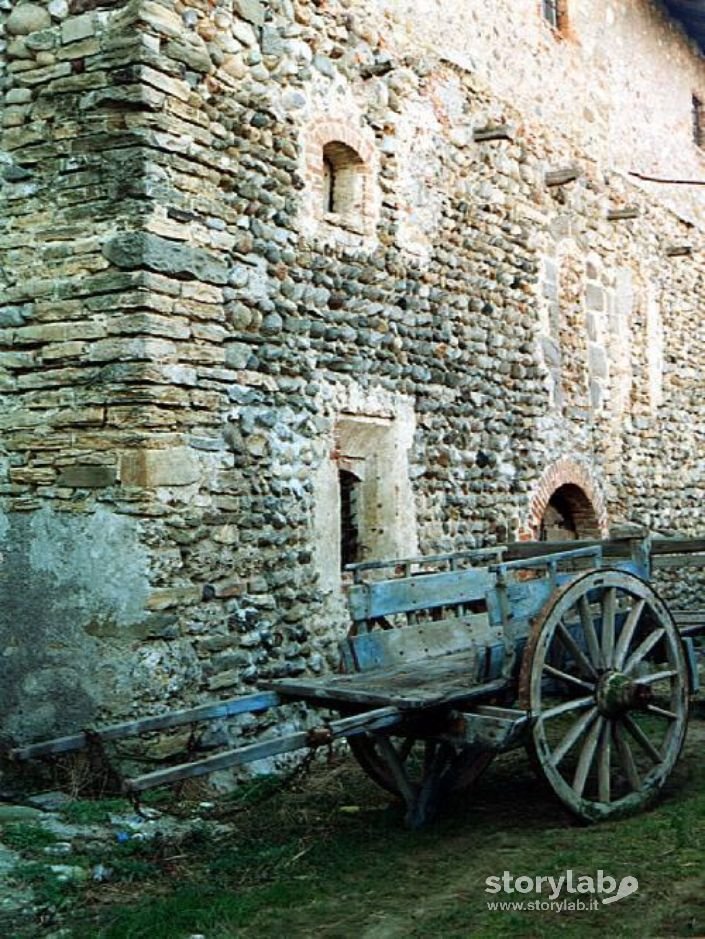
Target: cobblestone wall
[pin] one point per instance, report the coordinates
(194, 334)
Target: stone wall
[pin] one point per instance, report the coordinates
(193, 342)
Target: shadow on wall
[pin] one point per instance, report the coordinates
(72, 593)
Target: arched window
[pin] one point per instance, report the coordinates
(344, 180)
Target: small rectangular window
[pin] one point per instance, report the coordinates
(698, 136)
(350, 547)
(552, 12)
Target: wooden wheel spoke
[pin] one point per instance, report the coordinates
(604, 768)
(626, 758)
(643, 650)
(587, 755)
(429, 755)
(578, 655)
(573, 735)
(575, 705)
(609, 605)
(641, 738)
(658, 676)
(627, 633)
(661, 712)
(570, 679)
(407, 745)
(591, 640)
(391, 757)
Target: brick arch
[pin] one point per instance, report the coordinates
(324, 132)
(570, 473)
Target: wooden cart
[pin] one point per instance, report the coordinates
(564, 649)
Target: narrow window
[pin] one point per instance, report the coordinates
(698, 121)
(349, 518)
(552, 12)
(343, 180)
(328, 178)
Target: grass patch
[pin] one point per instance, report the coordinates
(333, 859)
(26, 837)
(49, 890)
(94, 811)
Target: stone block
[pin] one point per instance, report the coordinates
(163, 598)
(597, 360)
(595, 297)
(18, 96)
(59, 9)
(592, 326)
(224, 680)
(14, 315)
(133, 250)
(28, 18)
(596, 395)
(551, 351)
(42, 40)
(237, 354)
(177, 466)
(87, 476)
(250, 10)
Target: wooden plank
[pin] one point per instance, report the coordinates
(383, 648)
(433, 683)
(678, 561)
(526, 598)
(678, 251)
(560, 177)
(418, 592)
(475, 554)
(626, 212)
(494, 728)
(552, 558)
(688, 617)
(689, 622)
(345, 727)
(678, 546)
(522, 550)
(496, 132)
(218, 709)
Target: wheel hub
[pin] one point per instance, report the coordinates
(617, 693)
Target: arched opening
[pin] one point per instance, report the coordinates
(569, 516)
(343, 180)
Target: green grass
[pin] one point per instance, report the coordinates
(26, 837)
(49, 891)
(94, 811)
(332, 859)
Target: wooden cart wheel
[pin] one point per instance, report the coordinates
(463, 766)
(604, 677)
(460, 766)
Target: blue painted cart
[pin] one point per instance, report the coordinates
(454, 658)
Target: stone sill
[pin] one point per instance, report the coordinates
(346, 224)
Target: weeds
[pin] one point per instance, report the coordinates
(301, 864)
(26, 837)
(94, 812)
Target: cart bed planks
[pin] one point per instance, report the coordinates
(437, 682)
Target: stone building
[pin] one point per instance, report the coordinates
(289, 284)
